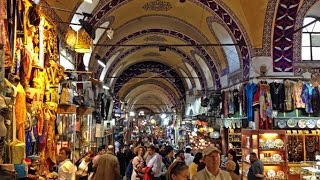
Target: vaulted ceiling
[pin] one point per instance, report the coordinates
(160, 79)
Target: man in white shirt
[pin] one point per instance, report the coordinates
(66, 168)
(188, 158)
(155, 162)
(212, 171)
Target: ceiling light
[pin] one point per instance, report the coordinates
(102, 64)
(88, 1)
(110, 33)
(106, 87)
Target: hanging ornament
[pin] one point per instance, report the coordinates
(71, 37)
(84, 42)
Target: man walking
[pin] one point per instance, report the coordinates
(108, 167)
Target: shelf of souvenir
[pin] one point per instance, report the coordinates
(234, 140)
(297, 122)
(302, 145)
(273, 154)
(249, 143)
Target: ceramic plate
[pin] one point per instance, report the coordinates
(278, 143)
(277, 158)
(270, 143)
(302, 123)
(282, 124)
(311, 123)
(271, 173)
(280, 174)
(292, 123)
(318, 123)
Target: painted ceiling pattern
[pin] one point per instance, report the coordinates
(281, 18)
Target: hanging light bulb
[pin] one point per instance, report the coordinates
(110, 33)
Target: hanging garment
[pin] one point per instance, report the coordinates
(21, 112)
(306, 96)
(315, 100)
(297, 91)
(277, 96)
(4, 36)
(17, 151)
(265, 107)
(226, 106)
(288, 102)
(250, 89)
(231, 102)
(236, 100)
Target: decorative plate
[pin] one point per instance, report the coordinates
(282, 124)
(270, 143)
(311, 123)
(278, 143)
(271, 173)
(318, 123)
(280, 174)
(261, 143)
(292, 123)
(277, 158)
(302, 123)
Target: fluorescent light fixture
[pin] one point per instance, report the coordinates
(106, 87)
(88, 1)
(101, 63)
(110, 33)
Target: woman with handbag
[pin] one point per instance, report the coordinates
(138, 164)
(84, 166)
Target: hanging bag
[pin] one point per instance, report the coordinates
(66, 95)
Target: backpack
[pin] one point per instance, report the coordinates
(129, 170)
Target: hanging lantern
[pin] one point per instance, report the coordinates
(71, 37)
(84, 42)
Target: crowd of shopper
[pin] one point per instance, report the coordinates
(155, 163)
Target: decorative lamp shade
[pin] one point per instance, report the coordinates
(71, 37)
(84, 42)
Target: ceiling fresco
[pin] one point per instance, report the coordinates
(254, 27)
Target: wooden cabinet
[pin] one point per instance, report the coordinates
(273, 154)
(270, 146)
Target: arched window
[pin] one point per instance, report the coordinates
(311, 40)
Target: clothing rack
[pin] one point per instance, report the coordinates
(296, 78)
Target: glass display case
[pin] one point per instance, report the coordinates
(66, 125)
(84, 129)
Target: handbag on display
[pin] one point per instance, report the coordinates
(17, 151)
(66, 96)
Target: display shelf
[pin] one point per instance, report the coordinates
(272, 152)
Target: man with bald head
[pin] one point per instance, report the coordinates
(108, 167)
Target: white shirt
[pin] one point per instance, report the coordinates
(66, 170)
(83, 168)
(188, 158)
(155, 163)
